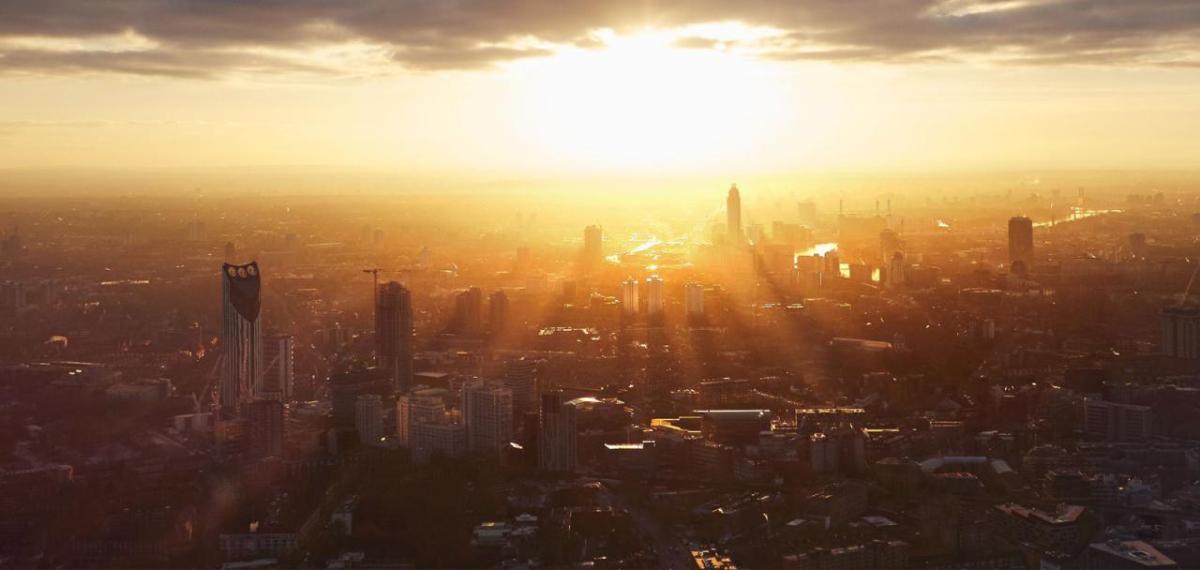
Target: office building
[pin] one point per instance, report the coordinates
(1111, 421)
(418, 408)
(347, 386)
(264, 423)
(654, 296)
(889, 245)
(394, 333)
(693, 299)
(1020, 244)
(445, 439)
(777, 260)
(629, 297)
(809, 272)
(13, 297)
(520, 376)
(279, 375)
(557, 440)
(593, 247)
(896, 270)
(368, 418)
(468, 312)
(488, 415)
(241, 337)
(1063, 529)
(498, 312)
(1181, 332)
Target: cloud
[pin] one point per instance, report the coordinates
(217, 38)
(697, 42)
(195, 64)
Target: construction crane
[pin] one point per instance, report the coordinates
(1188, 290)
(374, 271)
(210, 381)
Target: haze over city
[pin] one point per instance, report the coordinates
(527, 284)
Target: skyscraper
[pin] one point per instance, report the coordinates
(520, 376)
(654, 296)
(693, 299)
(896, 270)
(488, 414)
(733, 215)
(1020, 244)
(368, 418)
(498, 312)
(468, 311)
(241, 337)
(556, 442)
(393, 332)
(889, 245)
(593, 247)
(629, 296)
(280, 367)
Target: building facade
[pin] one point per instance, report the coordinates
(394, 332)
(241, 337)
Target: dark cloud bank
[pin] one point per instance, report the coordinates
(212, 38)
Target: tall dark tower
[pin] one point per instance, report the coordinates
(1020, 244)
(733, 215)
(468, 315)
(393, 333)
(498, 312)
(241, 337)
(593, 247)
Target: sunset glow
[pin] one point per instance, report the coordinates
(610, 284)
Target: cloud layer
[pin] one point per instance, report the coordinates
(214, 38)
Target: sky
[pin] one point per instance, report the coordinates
(575, 89)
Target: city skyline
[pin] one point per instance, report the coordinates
(623, 285)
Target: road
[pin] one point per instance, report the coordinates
(672, 551)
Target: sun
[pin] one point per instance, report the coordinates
(641, 101)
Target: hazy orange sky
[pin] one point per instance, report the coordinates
(561, 87)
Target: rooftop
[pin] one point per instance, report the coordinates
(1136, 552)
